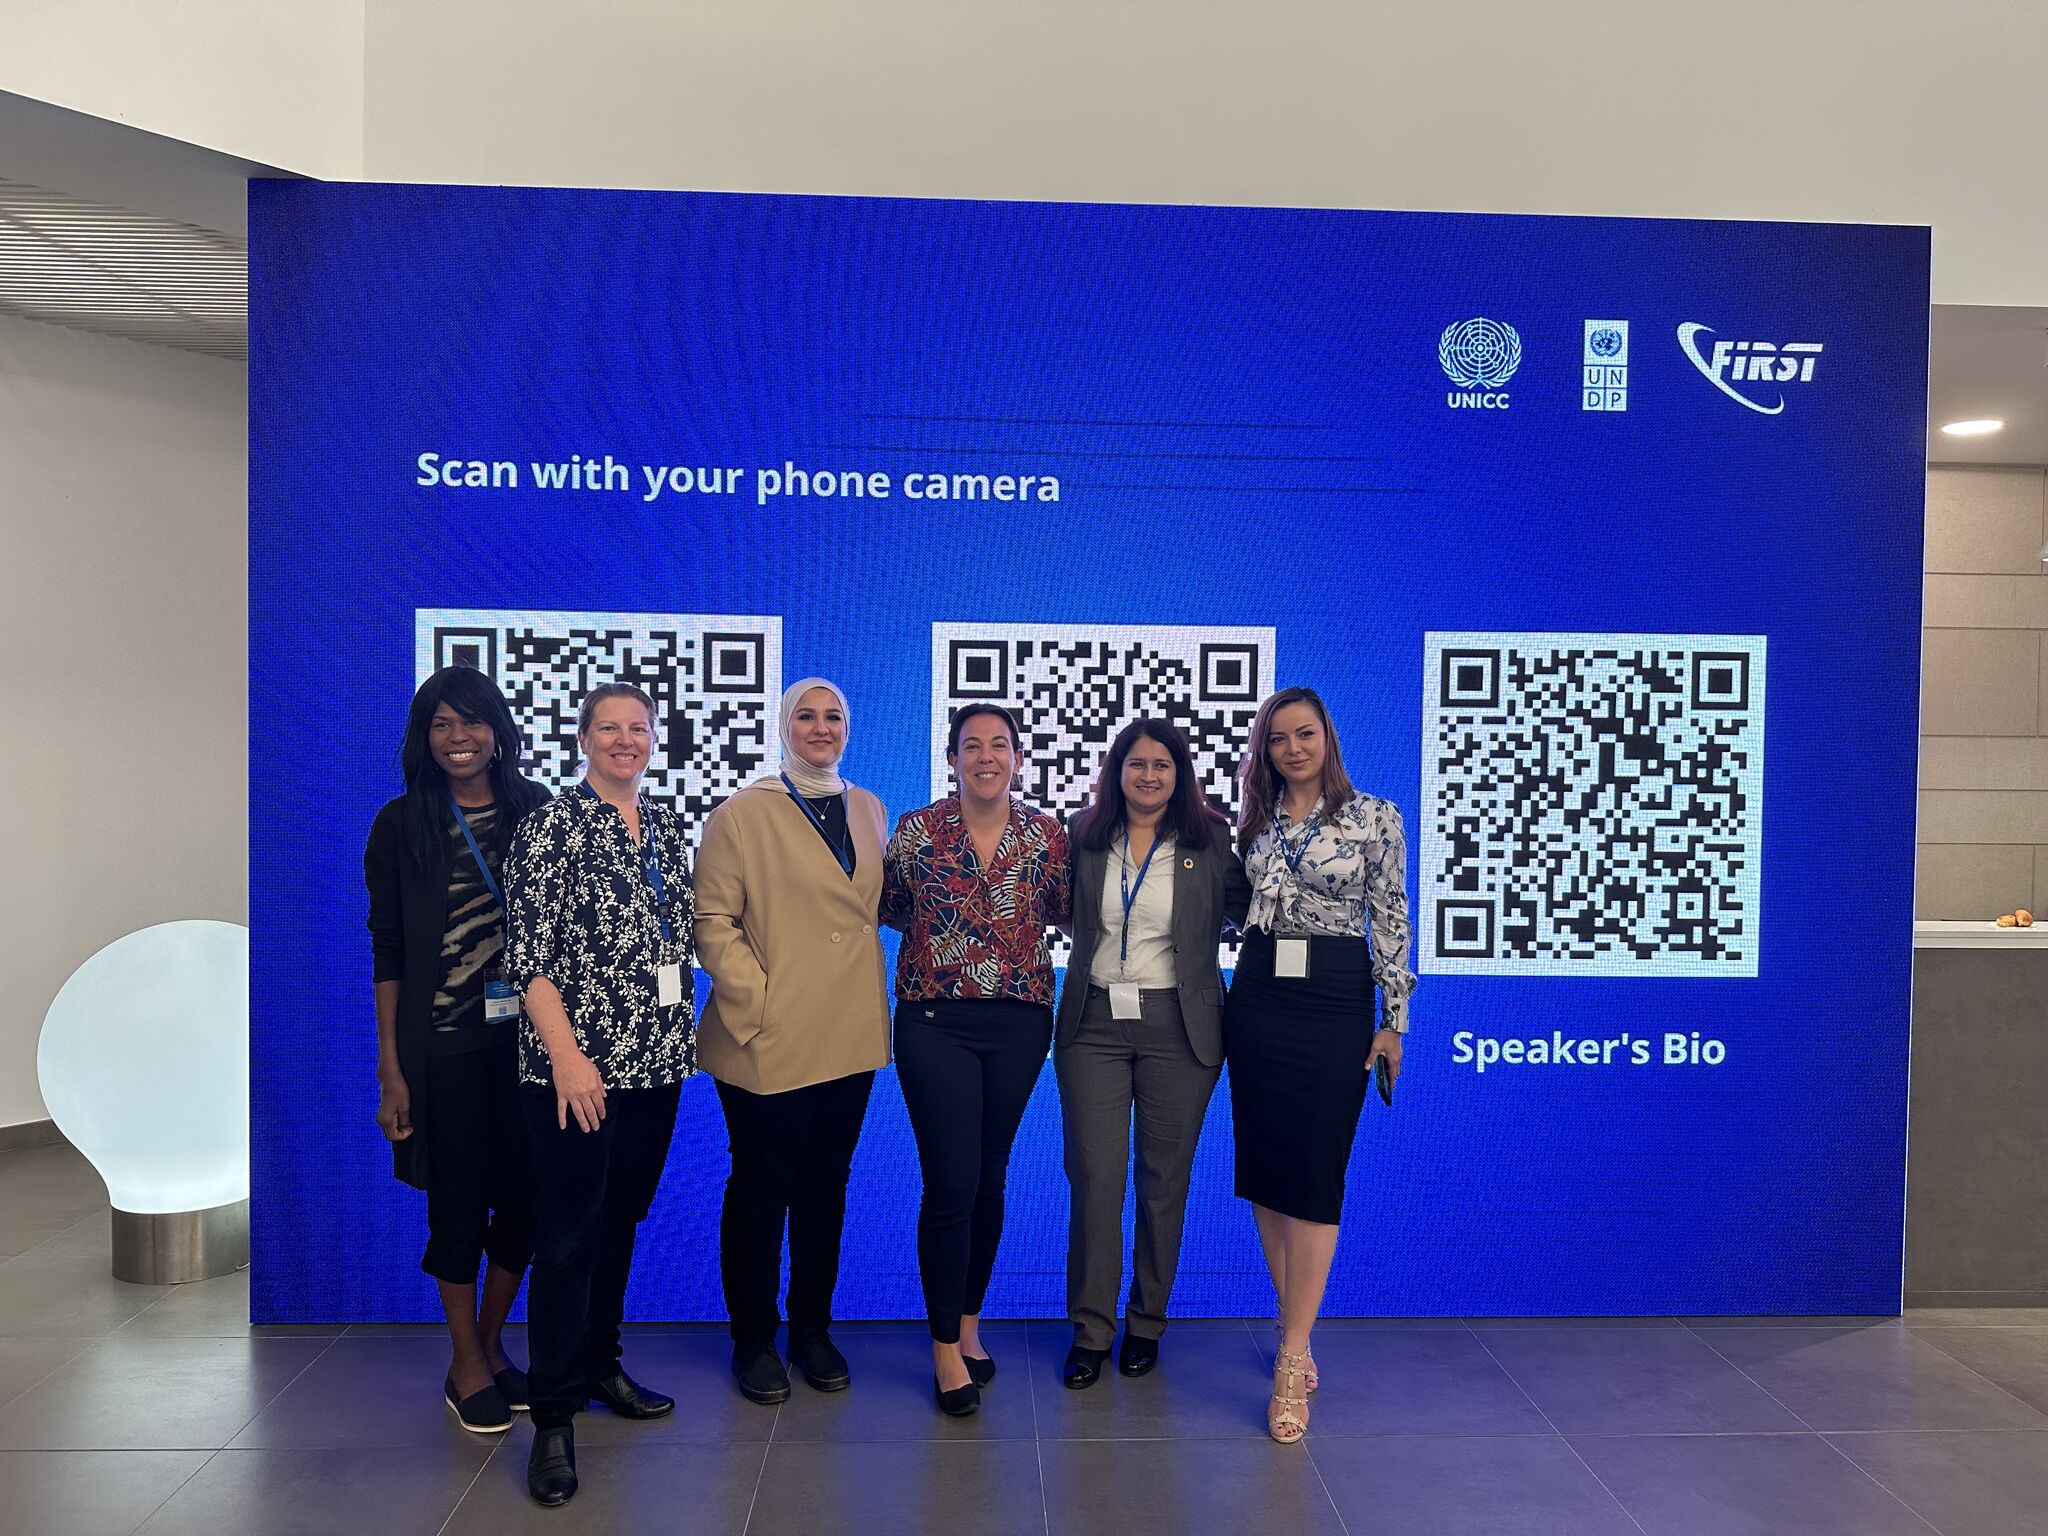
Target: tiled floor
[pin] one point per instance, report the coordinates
(158, 1409)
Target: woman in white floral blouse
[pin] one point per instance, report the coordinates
(1328, 926)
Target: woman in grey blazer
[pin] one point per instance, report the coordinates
(1139, 1030)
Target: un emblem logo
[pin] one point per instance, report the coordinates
(1480, 353)
(1605, 342)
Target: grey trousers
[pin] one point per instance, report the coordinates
(1109, 1069)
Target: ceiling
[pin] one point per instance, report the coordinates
(1988, 361)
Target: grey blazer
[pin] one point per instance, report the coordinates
(1209, 887)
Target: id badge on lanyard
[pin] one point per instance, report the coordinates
(1290, 956)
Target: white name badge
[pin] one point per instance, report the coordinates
(1123, 1002)
(1290, 957)
(500, 1001)
(668, 985)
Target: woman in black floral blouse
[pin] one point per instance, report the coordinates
(600, 949)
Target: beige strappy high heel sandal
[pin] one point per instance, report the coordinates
(1280, 1343)
(1287, 1413)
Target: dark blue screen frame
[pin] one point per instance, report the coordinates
(1250, 413)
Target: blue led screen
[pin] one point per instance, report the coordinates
(1602, 539)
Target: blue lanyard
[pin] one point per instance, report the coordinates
(1292, 856)
(842, 850)
(1131, 890)
(482, 868)
(651, 857)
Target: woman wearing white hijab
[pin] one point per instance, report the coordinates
(789, 882)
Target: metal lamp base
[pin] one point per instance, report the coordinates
(178, 1247)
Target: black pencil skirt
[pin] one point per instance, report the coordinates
(1297, 1047)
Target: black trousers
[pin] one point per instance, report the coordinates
(479, 1169)
(591, 1190)
(791, 1153)
(967, 1069)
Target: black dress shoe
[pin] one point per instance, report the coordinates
(627, 1398)
(981, 1369)
(512, 1382)
(812, 1352)
(481, 1413)
(1137, 1355)
(959, 1402)
(551, 1467)
(1083, 1367)
(758, 1370)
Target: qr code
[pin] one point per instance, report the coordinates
(715, 679)
(1593, 804)
(1074, 686)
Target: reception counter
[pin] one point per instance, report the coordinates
(1977, 1158)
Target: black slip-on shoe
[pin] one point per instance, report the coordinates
(1137, 1356)
(981, 1369)
(551, 1466)
(959, 1402)
(758, 1370)
(813, 1353)
(481, 1413)
(627, 1398)
(1083, 1367)
(512, 1382)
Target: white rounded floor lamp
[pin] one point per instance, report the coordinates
(144, 1064)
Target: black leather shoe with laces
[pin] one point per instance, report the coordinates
(1083, 1367)
(813, 1353)
(627, 1398)
(758, 1370)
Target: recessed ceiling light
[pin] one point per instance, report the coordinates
(1980, 428)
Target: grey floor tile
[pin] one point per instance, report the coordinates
(321, 1493)
(25, 1362)
(1744, 1485)
(89, 1493)
(1209, 1382)
(1977, 1317)
(891, 1395)
(2015, 1358)
(1116, 1488)
(1525, 1485)
(65, 1286)
(1982, 1483)
(1265, 1325)
(1870, 1378)
(1624, 1381)
(902, 1488)
(1487, 1323)
(152, 1394)
(704, 1490)
(45, 1191)
(1435, 1382)
(1832, 1320)
(215, 1309)
(361, 1394)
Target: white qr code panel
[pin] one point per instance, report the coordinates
(1074, 686)
(715, 679)
(1592, 805)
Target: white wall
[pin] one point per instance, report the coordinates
(274, 81)
(1893, 111)
(123, 610)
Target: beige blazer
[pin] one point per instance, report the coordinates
(798, 990)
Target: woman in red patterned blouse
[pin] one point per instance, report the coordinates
(973, 882)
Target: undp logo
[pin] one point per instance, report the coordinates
(1480, 355)
(1606, 341)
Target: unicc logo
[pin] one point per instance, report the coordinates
(1480, 355)
(1750, 362)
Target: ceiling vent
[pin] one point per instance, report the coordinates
(68, 261)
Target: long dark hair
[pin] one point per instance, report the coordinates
(1189, 819)
(472, 695)
(1262, 787)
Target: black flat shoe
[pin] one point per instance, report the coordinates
(512, 1382)
(959, 1402)
(758, 1370)
(551, 1466)
(481, 1413)
(1083, 1367)
(981, 1369)
(1137, 1355)
(813, 1353)
(627, 1398)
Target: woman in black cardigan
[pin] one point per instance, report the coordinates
(447, 1021)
